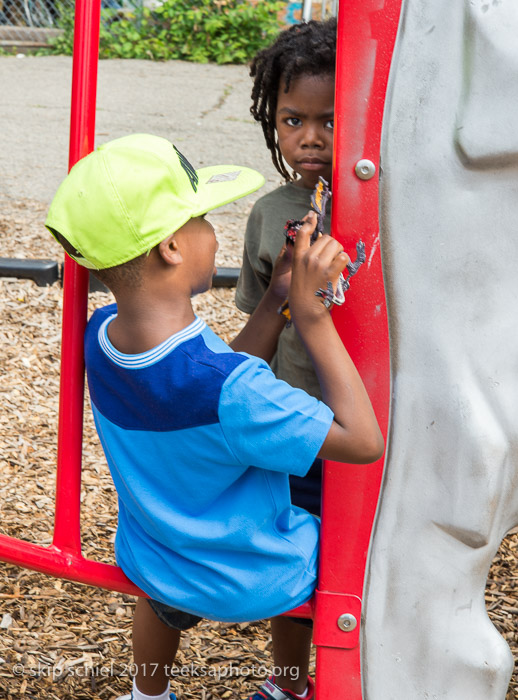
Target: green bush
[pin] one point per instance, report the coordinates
(64, 43)
(219, 31)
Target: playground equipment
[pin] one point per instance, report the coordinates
(448, 220)
(449, 157)
(336, 606)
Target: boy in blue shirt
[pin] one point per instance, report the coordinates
(200, 436)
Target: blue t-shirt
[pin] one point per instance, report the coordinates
(200, 441)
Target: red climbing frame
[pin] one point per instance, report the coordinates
(366, 35)
(63, 558)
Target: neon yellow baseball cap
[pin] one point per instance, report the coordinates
(131, 193)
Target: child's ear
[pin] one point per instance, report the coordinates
(169, 251)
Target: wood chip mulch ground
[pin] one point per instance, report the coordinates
(64, 641)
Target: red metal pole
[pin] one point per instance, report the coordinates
(366, 35)
(65, 564)
(75, 290)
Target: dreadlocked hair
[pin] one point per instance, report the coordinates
(303, 49)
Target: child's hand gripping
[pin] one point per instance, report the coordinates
(316, 266)
(354, 435)
(331, 295)
(281, 273)
(319, 199)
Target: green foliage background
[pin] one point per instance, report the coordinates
(218, 31)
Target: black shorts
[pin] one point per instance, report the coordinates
(179, 620)
(306, 491)
(172, 617)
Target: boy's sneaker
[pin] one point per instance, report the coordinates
(271, 691)
(129, 696)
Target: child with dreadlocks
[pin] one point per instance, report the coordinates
(293, 100)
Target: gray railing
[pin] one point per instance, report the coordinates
(27, 23)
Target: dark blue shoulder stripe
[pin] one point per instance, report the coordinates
(179, 391)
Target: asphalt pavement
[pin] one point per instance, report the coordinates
(202, 108)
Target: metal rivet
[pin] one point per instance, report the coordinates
(347, 622)
(365, 169)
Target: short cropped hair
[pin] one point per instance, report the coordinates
(303, 49)
(116, 277)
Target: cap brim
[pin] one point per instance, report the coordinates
(221, 184)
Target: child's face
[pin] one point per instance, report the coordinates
(304, 123)
(198, 246)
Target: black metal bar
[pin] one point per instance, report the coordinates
(46, 272)
(226, 277)
(43, 272)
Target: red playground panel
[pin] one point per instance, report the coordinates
(366, 35)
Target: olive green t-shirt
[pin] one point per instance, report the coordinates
(263, 240)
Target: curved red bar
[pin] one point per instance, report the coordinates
(65, 564)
